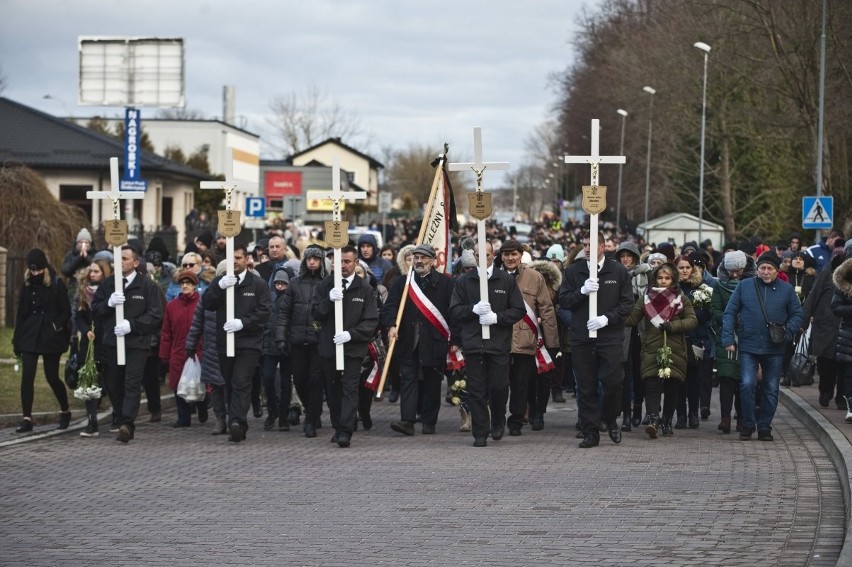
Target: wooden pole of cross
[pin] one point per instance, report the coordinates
(229, 226)
(479, 204)
(115, 234)
(594, 203)
(337, 236)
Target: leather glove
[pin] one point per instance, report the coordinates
(228, 281)
(341, 338)
(122, 328)
(598, 322)
(489, 318)
(589, 286)
(117, 298)
(482, 308)
(233, 326)
(335, 294)
(666, 326)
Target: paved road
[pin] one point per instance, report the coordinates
(178, 497)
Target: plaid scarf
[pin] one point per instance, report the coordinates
(662, 304)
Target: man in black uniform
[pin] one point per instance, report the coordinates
(487, 361)
(598, 358)
(422, 339)
(360, 320)
(251, 311)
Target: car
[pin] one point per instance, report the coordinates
(520, 231)
(356, 232)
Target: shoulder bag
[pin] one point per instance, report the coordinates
(777, 331)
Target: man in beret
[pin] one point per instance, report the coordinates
(745, 329)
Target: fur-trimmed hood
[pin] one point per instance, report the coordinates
(842, 278)
(549, 271)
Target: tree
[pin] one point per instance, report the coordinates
(410, 173)
(101, 125)
(180, 114)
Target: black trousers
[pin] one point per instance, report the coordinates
(597, 362)
(729, 396)
(521, 372)
(420, 391)
(830, 375)
(655, 388)
(306, 366)
(487, 387)
(151, 383)
(126, 381)
(238, 372)
(342, 391)
(29, 362)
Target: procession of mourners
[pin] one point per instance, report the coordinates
(639, 336)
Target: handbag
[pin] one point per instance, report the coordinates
(777, 331)
(72, 368)
(800, 372)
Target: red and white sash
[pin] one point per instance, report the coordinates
(455, 360)
(543, 362)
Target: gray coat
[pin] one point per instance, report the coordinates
(203, 330)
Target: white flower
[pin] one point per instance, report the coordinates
(462, 384)
(456, 400)
(668, 372)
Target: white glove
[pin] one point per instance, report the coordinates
(590, 286)
(482, 308)
(335, 294)
(122, 328)
(341, 338)
(598, 322)
(117, 298)
(489, 318)
(228, 281)
(233, 326)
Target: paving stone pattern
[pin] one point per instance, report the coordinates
(182, 496)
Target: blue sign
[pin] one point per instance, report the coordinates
(817, 212)
(132, 178)
(255, 207)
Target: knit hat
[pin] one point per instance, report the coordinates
(656, 256)
(667, 250)
(555, 252)
(511, 246)
(769, 258)
(313, 251)
(84, 234)
(36, 259)
(468, 260)
(205, 238)
(526, 258)
(188, 275)
(424, 250)
(735, 260)
(103, 255)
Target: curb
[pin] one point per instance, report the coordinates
(839, 452)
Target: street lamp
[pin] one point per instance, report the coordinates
(706, 49)
(623, 114)
(651, 92)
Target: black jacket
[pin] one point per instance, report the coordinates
(360, 317)
(143, 307)
(841, 304)
(615, 299)
(817, 309)
(506, 301)
(414, 329)
(251, 307)
(43, 323)
(295, 323)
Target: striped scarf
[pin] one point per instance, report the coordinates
(662, 304)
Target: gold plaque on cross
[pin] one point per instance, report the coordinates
(337, 233)
(594, 199)
(115, 232)
(229, 223)
(479, 205)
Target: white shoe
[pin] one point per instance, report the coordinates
(849, 416)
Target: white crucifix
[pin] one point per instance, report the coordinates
(337, 236)
(594, 203)
(229, 226)
(480, 209)
(115, 233)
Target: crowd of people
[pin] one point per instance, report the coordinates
(645, 335)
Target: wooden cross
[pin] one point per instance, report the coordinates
(229, 225)
(594, 202)
(337, 236)
(478, 167)
(115, 232)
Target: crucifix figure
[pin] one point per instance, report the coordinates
(229, 226)
(594, 203)
(480, 209)
(115, 234)
(337, 236)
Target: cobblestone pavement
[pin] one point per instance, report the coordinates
(181, 496)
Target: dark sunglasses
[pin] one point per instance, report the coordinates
(34, 268)
(188, 265)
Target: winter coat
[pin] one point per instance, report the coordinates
(537, 296)
(270, 345)
(201, 340)
(726, 367)
(702, 334)
(615, 299)
(817, 309)
(802, 279)
(414, 329)
(43, 321)
(506, 301)
(652, 339)
(841, 304)
(295, 324)
(176, 324)
(360, 317)
(744, 316)
(143, 308)
(251, 307)
(377, 264)
(74, 261)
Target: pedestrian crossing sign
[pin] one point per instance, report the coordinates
(817, 212)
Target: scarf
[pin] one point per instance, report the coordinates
(662, 304)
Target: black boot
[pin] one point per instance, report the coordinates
(92, 428)
(693, 420)
(26, 426)
(625, 423)
(667, 426)
(64, 419)
(637, 415)
(681, 422)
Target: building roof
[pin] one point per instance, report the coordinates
(336, 141)
(680, 221)
(41, 141)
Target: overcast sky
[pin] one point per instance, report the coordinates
(412, 72)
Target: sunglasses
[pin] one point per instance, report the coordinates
(34, 268)
(188, 265)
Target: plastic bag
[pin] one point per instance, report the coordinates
(190, 384)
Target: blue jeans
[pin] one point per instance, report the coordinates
(771, 365)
